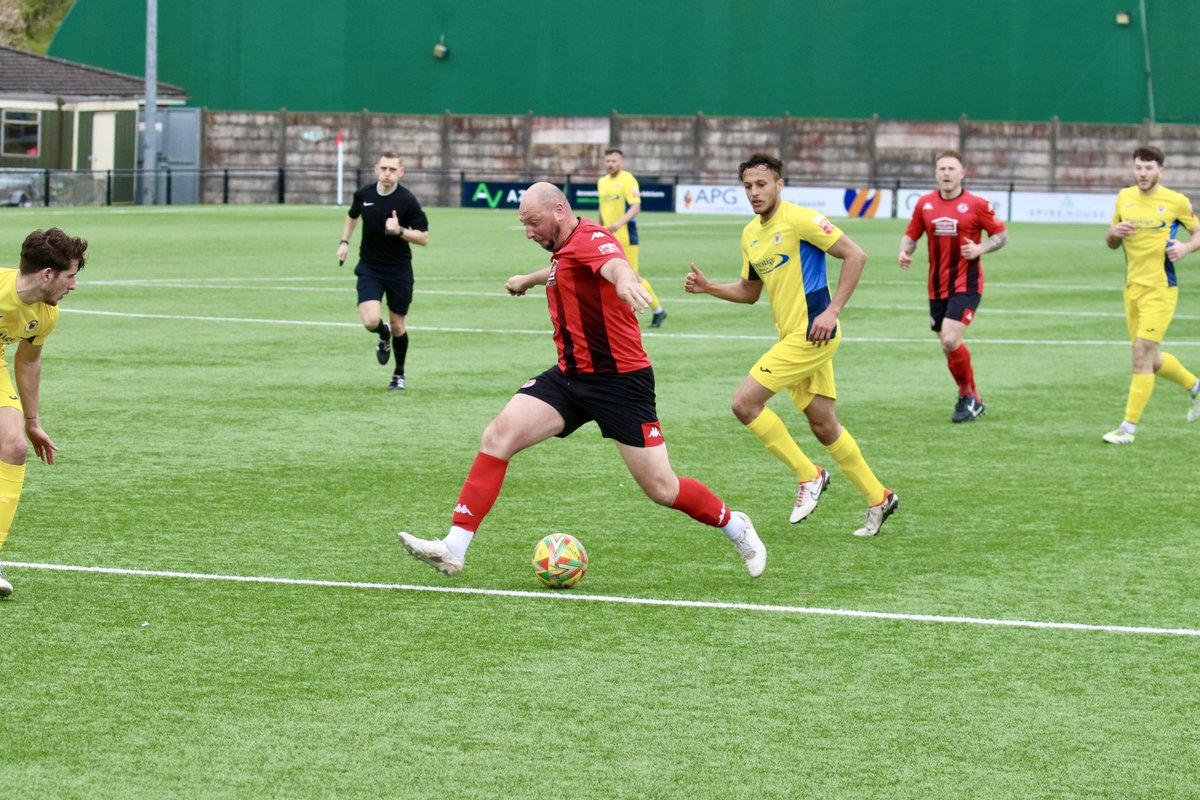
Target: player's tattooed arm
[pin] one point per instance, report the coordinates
(995, 242)
(907, 246)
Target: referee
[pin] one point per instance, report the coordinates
(392, 220)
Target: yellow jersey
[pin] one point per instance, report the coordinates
(19, 321)
(1158, 216)
(787, 253)
(616, 194)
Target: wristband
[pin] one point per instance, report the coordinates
(344, 241)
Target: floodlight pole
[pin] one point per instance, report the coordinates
(150, 135)
(1146, 52)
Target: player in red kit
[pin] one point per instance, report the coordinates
(954, 220)
(602, 375)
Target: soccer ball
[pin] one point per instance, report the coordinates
(559, 561)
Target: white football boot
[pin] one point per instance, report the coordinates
(750, 547)
(808, 494)
(433, 552)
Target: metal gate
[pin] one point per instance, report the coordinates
(178, 156)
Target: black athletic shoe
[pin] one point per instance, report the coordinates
(967, 409)
(659, 317)
(383, 350)
(397, 384)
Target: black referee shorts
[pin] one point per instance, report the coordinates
(396, 282)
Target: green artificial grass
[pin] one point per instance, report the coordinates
(219, 411)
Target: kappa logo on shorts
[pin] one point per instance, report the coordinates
(652, 434)
(529, 383)
(968, 315)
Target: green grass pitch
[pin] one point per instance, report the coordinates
(219, 412)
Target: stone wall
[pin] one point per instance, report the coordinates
(246, 155)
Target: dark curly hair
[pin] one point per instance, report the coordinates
(53, 249)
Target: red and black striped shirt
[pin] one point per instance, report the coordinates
(948, 222)
(594, 329)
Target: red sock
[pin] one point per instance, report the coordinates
(480, 491)
(959, 362)
(698, 502)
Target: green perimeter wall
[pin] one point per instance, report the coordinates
(928, 59)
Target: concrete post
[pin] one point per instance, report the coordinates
(873, 149)
(445, 193)
(1054, 125)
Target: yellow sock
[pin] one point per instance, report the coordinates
(12, 478)
(774, 434)
(654, 304)
(1176, 372)
(1140, 389)
(850, 459)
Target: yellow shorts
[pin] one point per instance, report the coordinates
(8, 393)
(1149, 310)
(801, 367)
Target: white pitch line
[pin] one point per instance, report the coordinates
(600, 598)
(919, 340)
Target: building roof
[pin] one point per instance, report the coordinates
(30, 76)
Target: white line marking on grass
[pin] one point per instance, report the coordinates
(600, 598)
(918, 340)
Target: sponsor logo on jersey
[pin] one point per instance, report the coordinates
(608, 247)
(768, 264)
(927, 207)
(550, 281)
(778, 238)
(821, 222)
(598, 235)
(367, 204)
(945, 226)
(31, 326)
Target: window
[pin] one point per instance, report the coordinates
(19, 133)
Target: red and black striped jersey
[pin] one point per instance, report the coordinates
(594, 329)
(948, 222)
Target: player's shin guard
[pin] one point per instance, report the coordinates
(1176, 372)
(12, 478)
(774, 434)
(959, 363)
(1140, 389)
(479, 491)
(850, 459)
(698, 502)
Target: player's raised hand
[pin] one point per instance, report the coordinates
(695, 282)
(1176, 250)
(1123, 229)
(517, 285)
(970, 250)
(633, 293)
(392, 226)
